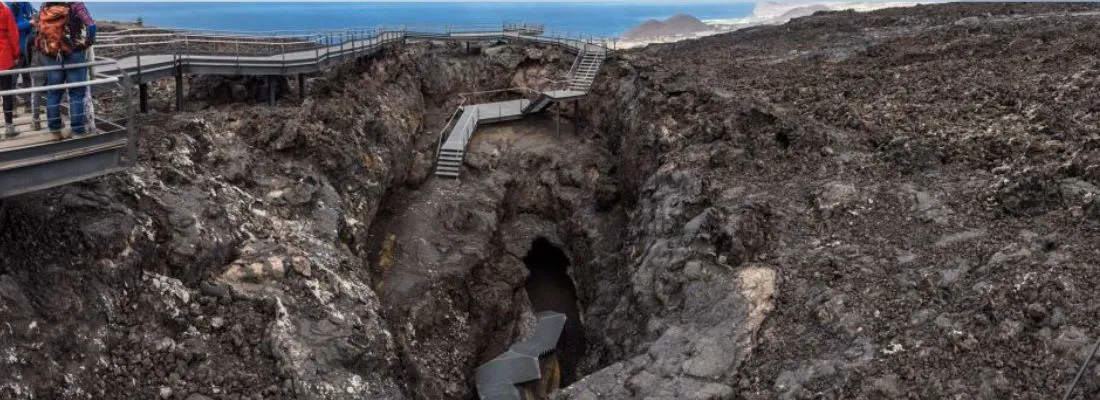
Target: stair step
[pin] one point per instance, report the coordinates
(447, 169)
(451, 152)
(446, 175)
(450, 156)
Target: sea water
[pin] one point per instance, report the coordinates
(595, 18)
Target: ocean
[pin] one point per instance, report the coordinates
(596, 18)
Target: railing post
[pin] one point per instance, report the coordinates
(137, 49)
(179, 88)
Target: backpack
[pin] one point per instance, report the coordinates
(59, 32)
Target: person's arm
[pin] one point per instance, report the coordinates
(23, 18)
(82, 12)
(12, 31)
(24, 26)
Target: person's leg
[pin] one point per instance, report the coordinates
(25, 82)
(37, 79)
(7, 82)
(53, 97)
(76, 95)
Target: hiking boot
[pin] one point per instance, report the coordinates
(58, 135)
(9, 132)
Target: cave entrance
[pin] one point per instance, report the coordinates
(550, 288)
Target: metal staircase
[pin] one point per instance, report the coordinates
(451, 153)
(449, 164)
(586, 69)
(540, 103)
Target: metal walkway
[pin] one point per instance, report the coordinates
(176, 53)
(151, 54)
(36, 159)
(452, 152)
(516, 374)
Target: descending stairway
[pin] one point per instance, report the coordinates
(453, 151)
(539, 104)
(450, 163)
(585, 73)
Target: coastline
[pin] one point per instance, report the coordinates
(766, 13)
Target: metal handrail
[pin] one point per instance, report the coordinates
(327, 38)
(471, 126)
(55, 67)
(62, 86)
(112, 125)
(464, 95)
(439, 147)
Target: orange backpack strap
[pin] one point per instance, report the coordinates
(52, 38)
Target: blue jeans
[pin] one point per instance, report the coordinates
(76, 95)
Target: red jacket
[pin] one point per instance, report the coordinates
(9, 39)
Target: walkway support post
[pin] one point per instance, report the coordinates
(302, 86)
(143, 98)
(576, 115)
(557, 121)
(270, 90)
(179, 88)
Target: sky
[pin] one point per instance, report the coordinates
(431, 1)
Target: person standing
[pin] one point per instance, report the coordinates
(24, 13)
(9, 52)
(65, 31)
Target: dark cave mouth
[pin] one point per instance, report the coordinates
(550, 288)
